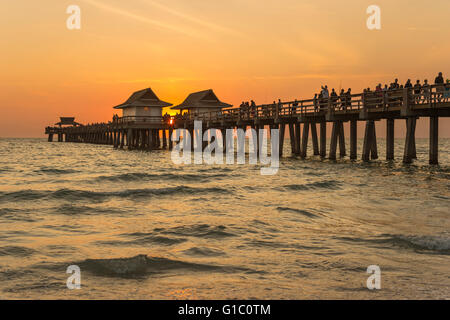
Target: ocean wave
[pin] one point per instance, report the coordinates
(143, 239)
(73, 195)
(439, 244)
(198, 230)
(434, 243)
(55, 171)
(141, 176)
(16, 251)
(73, 209)
(142, 265)
(298, 211)
(329, 184)
(203, 252)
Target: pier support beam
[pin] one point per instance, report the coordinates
(292, 137)
(434, 136)
(297, 133)
(342, 150)
(370, 142)
(410, 149)
(334, 140)
(315, 140)
(130, 139)
(164, 133)
(170, 138)
(374, 148)
(353, 139)
(323, 139)
(281, 138)
(305, 137)
(255, 139)
(122, 139)
(390, 139)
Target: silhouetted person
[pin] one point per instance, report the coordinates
(334, 98)
(342, 99)
(417, 90)
(439, 82)
(253, 107)
(408, 84)
(426, 91)
(294, 107)
(348, 98)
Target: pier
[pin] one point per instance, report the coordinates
(302, 118)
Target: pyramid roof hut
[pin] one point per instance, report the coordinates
(201, 102)
(67, 121)
(143, 105)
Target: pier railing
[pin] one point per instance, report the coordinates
(139, 119)
(430, 96)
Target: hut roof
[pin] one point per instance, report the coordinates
(143, 98)
(67, 121)
(202, 99)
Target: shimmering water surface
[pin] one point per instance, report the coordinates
(139, 226)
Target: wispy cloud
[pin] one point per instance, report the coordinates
(153, 22)
(191, 18)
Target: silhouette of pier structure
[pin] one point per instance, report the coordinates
(144, 127)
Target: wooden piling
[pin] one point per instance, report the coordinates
(374, 148)
(281, 138)
(334, 140)
(409, 141)
(164, 138)
(305, 137)
(292, 137)
(297, 133)
(314, 138)
(323, 139)
(434, 135)
(367, 145)
(342, 150)
(390, 125)
(170, 138)
(413, 148)
(353, 139)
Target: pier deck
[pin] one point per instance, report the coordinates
(402, 104)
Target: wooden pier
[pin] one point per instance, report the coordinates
(301, 118)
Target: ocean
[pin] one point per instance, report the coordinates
(140, 227)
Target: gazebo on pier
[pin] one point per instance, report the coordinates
(143, 106)
(202, 102)
(67, 121)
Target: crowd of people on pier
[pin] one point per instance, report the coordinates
(387, 95)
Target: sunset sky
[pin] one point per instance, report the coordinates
(243, 49)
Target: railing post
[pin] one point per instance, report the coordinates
(364, 112)
(406, 105)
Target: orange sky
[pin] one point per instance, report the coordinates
(243, 49)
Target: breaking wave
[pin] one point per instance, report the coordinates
(73, 195)
(142, 265)
(329, 184)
